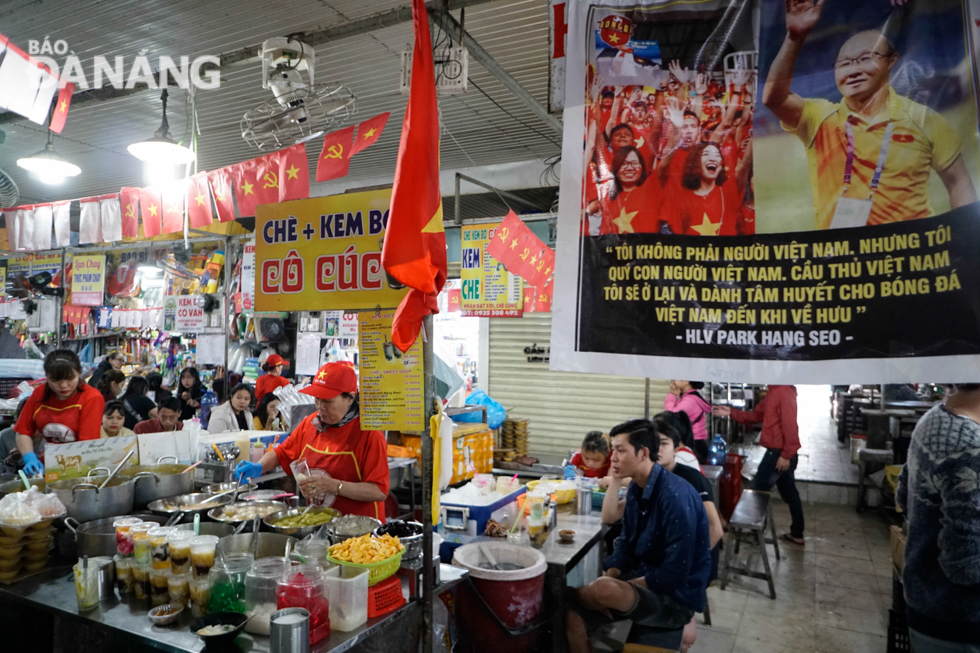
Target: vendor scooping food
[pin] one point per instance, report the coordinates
(331, 439)
(62, 409)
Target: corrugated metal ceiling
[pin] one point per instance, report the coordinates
(477, 131)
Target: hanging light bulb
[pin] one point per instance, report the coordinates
(162, 148)
(49, 166)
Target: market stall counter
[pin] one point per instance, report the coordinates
(54, 592)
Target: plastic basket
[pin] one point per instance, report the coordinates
(385, 597)
(377, 571)
(597, 499)
(561, 496)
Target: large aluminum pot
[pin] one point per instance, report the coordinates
(189, 504)
(86, 502)
(98, 538)
(159, 481)
(10, 486)
(270, 544)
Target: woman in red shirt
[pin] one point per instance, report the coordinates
(62, 409)
(272, 378)
(331, 439)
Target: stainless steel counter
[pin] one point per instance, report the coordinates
(54, 592)
(588, 531)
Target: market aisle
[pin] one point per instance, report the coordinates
(832, 595)
(822, 459)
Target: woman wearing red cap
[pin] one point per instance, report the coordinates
(272, 378)
(331, 439)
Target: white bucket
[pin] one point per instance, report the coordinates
(531, 561)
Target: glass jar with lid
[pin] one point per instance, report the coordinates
(312, 552)
(302, 586)
(228, 582)
(261, 582)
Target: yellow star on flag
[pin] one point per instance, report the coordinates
(153, 211)
(534, 259)
(220, 198)
(547, 271)
(200, 200)
(247, 188)
(63, 107)
(625, 221)
(513, 244)
(707, 227)
(292, 172)
(369, 133)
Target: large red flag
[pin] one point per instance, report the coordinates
(199, 201)
(267, 181)
(173, 206)
(221, 182)
(369, 131)
(151, 207)
(415, 243)
(335, 156)
(61, 112)
(244, 175)
(129, 199)
(294, 173)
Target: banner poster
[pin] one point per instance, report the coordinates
(323, 254)
(488, 290)
(87, 279)
(391, 383)
(77, 459)
(798, 206)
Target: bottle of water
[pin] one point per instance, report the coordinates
(717, 450)
(208, 401)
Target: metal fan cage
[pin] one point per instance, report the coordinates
(298, 116)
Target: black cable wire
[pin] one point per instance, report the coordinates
(536, 131)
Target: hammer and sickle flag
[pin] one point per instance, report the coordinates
(334, 159)
(130, 200)
(414, 250)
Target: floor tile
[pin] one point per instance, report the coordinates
(844, 550)
(836, 640)
(710, 641)
(862, 621)
(848, 579)
(789, 627)
(845, 564)
(831, 596)
(749, 644)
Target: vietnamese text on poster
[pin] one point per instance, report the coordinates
(797, 209)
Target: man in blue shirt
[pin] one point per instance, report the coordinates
(658, 571)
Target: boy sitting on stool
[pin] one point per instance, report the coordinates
(657, 574)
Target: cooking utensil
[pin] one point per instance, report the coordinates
(175, 518)
(348, 526)
(86, 502)
(15, 484)
(219, 495)
(218, 514)
(217, 488)
(489, 555)
(98, 537)
(412, 543)
(270, 545)
(298, 531)
(192, 466)
(255, 537)
(235, 619)
(188, 503)
(158, 481)
(115, 471)
(23, 477)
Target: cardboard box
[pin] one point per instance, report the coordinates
(898, 548)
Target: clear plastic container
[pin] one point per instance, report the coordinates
(179, 588)
(302, 586)
(228, 583)
(160, 552)
(179, 545)
(202, 554)
(124, 573)
(159, 586)
(86, 586)
(261, 583)
(141, 541)
(124, 539)
(313, 552)
(200, 589)
(347, 592)
(141, 581)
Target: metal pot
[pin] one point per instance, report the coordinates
(98, 538)
(348, 526)
(182, 502)
(159, 481)
(218, 514)
(218, 488)
(9, 487)
(412, 543)
(86, 502)
(298, 531)
(270, 544)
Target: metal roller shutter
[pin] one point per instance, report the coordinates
(562, 406)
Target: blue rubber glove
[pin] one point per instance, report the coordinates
(248, 470)
(32, 466)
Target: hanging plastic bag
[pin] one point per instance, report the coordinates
(495, 412)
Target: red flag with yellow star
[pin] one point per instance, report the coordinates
(267, 182)
(199, 201)
(173, 195)
(61, 111)
(129, 201)
(414, 250)
(243, 175)
(151, 207)
(334, 160)
(221, 182)
(369, 131)
(294, 173)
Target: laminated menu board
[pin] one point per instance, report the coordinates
(76, 459)
(391, 383)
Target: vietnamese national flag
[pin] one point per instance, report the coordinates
(221, 183)
(151, 207)
(414, 250)
(369, 131)
(199, 201)
(129, 201)
(334, 160)
(173, 206)
(243, 175)
(61, 112)
(294, 173)
(267, 181)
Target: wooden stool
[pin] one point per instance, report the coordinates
(751, 516)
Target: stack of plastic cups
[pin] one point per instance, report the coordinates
(178, 582)
(124, 546)
(157, 585)
(139, 567)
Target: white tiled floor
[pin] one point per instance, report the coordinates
(822, 459)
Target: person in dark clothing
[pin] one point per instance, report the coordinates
(113, 361)
(659, 569)
(781, 438)
(110, 384)
(189, 391)
(138, 407)
(157, 392)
